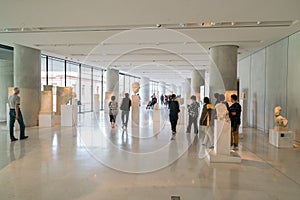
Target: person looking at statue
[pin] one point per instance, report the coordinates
(206, 120)
(113, 111)
(125, 108)
(15, 114)
(235, 118)
(174, 110)
(193, 111)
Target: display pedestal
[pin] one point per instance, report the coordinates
(46, 120)
(96, 108)
(221, 151)
(284, 139)
(68, 115)
(135, 113)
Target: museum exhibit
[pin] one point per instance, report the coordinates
(149, 100)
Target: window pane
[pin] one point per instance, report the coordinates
(43, 72)
(73, 77)
(86, 89)
(97, 86)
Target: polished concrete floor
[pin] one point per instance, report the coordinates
(93, 161)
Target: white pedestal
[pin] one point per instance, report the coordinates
(68, 115)
(135, 107)
(46, 120)
(96, 104)
(283, 139)
(221, 151)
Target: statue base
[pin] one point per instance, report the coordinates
(281, 139)
(221, 152)
(46, 120)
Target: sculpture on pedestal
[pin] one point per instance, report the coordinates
(280, 122)
(47, 100)
(63, 95)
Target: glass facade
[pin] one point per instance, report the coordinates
(85, 80)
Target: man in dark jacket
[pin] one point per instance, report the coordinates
(125, 108)
(174, 110)
(235, 118)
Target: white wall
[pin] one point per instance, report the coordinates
(270, 77)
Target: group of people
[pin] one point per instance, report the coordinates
(209, 114)
(114, 108)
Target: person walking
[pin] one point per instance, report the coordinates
(193, 111)
(174, 110)
(205, 120)
(113, 111)
(162, 97)
(235, 118)
(15, 114)
(125, 108)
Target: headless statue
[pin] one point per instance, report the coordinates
(280, 122)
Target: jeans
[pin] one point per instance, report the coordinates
(235, 136)
(192, 120)
(12, 119)
(208, 136)
(123, 115)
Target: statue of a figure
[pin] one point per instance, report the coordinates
(280, 122)
(222, 112)
(135, 87)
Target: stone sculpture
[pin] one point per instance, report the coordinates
(135, 87)
(222, 112)
(280, 122)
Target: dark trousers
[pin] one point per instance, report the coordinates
(112, 118)
(173, 120)
(124, 117)
(192, 120)
(12, 119)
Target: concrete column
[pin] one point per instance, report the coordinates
(197, 81)
(6, 80)
(112, 81)
(188, 88)
(27, 76)
(223, 69)
(162, 88)
(145, 90)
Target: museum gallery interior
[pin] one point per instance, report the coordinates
(113, 96)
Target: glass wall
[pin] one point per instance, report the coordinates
(86, 89)
(43, 71)
(85, 80)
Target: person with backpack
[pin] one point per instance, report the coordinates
(113, 111)
(193, 111)
(125, 108)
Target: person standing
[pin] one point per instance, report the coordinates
(174, 110)
(206, 120)
(113, 111)
(15, 114)
(235, 118)
(162, 97)
(193, 111)
(125, 108)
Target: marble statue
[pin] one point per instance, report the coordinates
(222, 111)
(135, 87)
(63, 96)
(280, 122)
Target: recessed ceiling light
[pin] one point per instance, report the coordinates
(232, 23)
(258, 22)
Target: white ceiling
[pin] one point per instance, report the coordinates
(99, 32)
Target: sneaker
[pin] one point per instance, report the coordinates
(211, 147)
(14, 139)
(235, 148)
